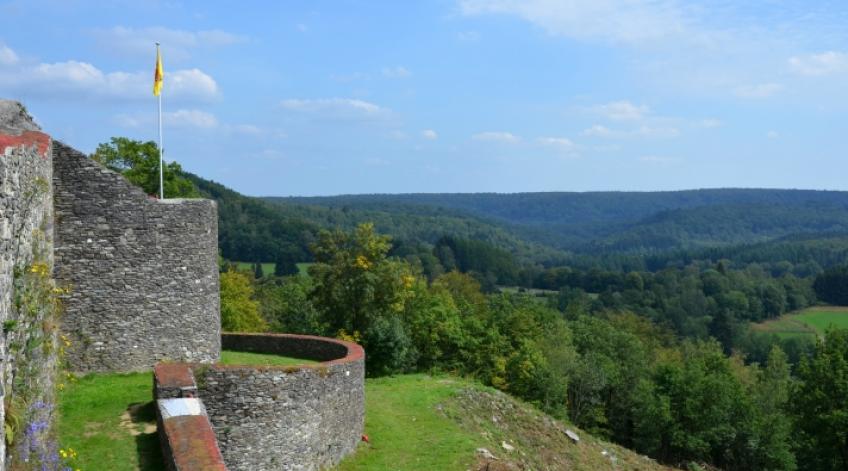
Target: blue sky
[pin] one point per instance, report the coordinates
(332, 97)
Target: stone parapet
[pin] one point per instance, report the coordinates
(300, 417)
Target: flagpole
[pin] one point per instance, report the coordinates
(161, 148)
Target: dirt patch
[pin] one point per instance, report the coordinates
(136, 420)
(91, 429)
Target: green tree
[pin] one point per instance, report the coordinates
(139, 162)
(285, 265)
(820, 404)
(257, 270)
(360, 292)
(772, 426)
(239, 311)
(285, 303)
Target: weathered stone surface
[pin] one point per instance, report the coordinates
(143, 273)
(26, 236)
(189, 444)
(286, 418)
(14, 118)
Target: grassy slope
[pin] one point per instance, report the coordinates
(413, 422)
(110, 421)
(437, 423)
(809, 322)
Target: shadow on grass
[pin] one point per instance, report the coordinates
(143, 415)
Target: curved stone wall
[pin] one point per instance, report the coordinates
(271, 418)
(143, 273)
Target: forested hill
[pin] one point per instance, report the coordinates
(642, 222)
(606, 229)
(559, 208)
(250, 229)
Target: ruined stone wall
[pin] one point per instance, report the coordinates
(28, 341)
(286, 418)
(143, 273)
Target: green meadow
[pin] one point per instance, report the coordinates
(814, 321)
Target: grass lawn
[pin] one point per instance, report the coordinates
(303, 268)
(110, 420)
(812, 321)
(230, 357)
(405, 429)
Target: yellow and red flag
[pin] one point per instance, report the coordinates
(158, 74)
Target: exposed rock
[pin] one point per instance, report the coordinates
(506, 446)
(14, 118)
(485, 454)
(573, 436)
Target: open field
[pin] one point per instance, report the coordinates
(268, 268)
(811, 322)
(530, 291)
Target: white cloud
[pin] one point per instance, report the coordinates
(396, 72)
(710, 123)
(762, 90)
(7, 55)
(561, 143)
(190, 118)
(621, 111)
(825, 63)
(176, 44)
(629, 21)
(497, 136)
(337, 108)
(429, 134)
(193, 118)
(604, 132)
(657, 132)
(75, 80)
(247, 129)
(601, 131)
(564, 147)
(469, 36)
(772, 134)
(180, 118)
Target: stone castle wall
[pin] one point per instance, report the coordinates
(143, 273)
(286, 418)
(28, 359)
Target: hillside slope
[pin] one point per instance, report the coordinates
(444, 423)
